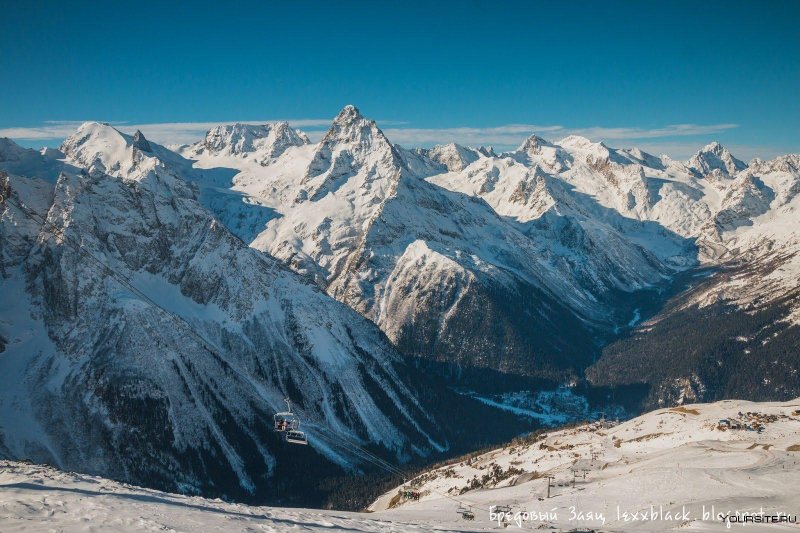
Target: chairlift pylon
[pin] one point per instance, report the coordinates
(467, 514)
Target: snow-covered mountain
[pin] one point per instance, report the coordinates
(554, 240)
(262, 143)
(168, 373)
(420, 257)
(735, 333)
(715, 158)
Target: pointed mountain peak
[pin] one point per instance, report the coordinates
(487, 151)
(537, 149)
(352, 143)
(533, 144)
(348, 115)
(93, 128)
(140, 142)
(713, 157)
(350, 127)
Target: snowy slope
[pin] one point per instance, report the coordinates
(174, 383)
(676, 458)
(39, 498)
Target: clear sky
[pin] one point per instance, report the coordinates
(665, 76)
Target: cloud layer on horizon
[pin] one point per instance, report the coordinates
(671, 139)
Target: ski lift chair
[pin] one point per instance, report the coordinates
(287, 420)
(296, 437)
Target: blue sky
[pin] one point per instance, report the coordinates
(667, 76)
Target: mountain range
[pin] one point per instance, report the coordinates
(377, 286)
(545, 261)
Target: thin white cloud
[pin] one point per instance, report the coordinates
(507, 135)
(501, 137)
(683, 150)
(513, 134)
(675, 130)
(163, 132)
(45, 132)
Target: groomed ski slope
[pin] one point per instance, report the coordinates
(671, 457)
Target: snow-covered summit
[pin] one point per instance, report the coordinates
(104, 151)
(713, 157)
(789, 163)
(535, 146)
(350, 126)
(537, 151)
(353, 145)
(262, 143)
(347, 115)
(454, 156)
(579, 142)
(101, 145)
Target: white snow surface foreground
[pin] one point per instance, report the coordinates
(675, 460)
(39, 498)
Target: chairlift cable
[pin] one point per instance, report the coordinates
(394, 470)
(362, 453)
(356, 445)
